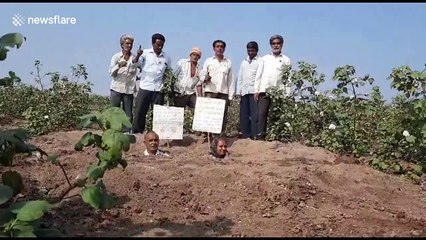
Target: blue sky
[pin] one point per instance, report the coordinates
(372, 37)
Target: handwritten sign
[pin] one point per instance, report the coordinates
(168, 122)
(208, 115)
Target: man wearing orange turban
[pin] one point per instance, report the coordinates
(187, 73)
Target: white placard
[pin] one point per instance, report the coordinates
(208, 115)
(167, 122)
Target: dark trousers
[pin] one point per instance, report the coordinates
(125, 101)
(144, 100)
(248, 116)
(263, 109)
(185, 100)
(225, 115)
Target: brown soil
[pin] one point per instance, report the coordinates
(267, 189)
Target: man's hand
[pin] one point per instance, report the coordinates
(139, 51)
(138, 54)
(208, 78)
(122, 63)
(199, 91)
(256, 97)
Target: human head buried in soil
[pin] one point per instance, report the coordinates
(218, 148)
(151, 142)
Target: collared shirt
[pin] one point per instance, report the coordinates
(124, 78)
(153, 68)
(269, 72)
(247, 76)
(159, 153)
(221, 76)
(185, 84)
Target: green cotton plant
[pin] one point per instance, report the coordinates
(111, 144)
(409, 138)
(19, 219)
(353, 122)
(410, 83)
(168, 86)
(60, 103)
(348, 120)
(291, 116)
(8, 41)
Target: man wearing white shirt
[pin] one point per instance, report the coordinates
(245, 88)
(154, 64)
(269, 75)
(123, 69)
(217, 79)
(187, 73)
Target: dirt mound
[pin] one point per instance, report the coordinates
(7, 122)
(267, 189)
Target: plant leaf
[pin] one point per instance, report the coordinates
(6, 215)
(86, 140)
(14, 180)
(418, 169)
(6, 193)
(132, 138)
(12, 40)
(25, 234)
(104, 156)
(88, 119)
(78, 146)
(410, 138)
(97, 198)
(3, 53)
(116, 117)
(23, 226)
(33, 210)
(94, 172)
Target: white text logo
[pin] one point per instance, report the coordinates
(19, 20)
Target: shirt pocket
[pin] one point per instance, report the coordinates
(161, 65)
(224, 69)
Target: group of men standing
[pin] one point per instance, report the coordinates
(214, 80)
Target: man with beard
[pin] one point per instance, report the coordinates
(269, 75)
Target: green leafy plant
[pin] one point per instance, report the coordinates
(10, 40)
(111, 146)
(59, 106)
(168, 86)
(19, 219)
(348, 120)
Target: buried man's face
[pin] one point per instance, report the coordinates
(221, 148)
(151, 142)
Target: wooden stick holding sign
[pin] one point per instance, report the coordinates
(208, 141)
(208, 116)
